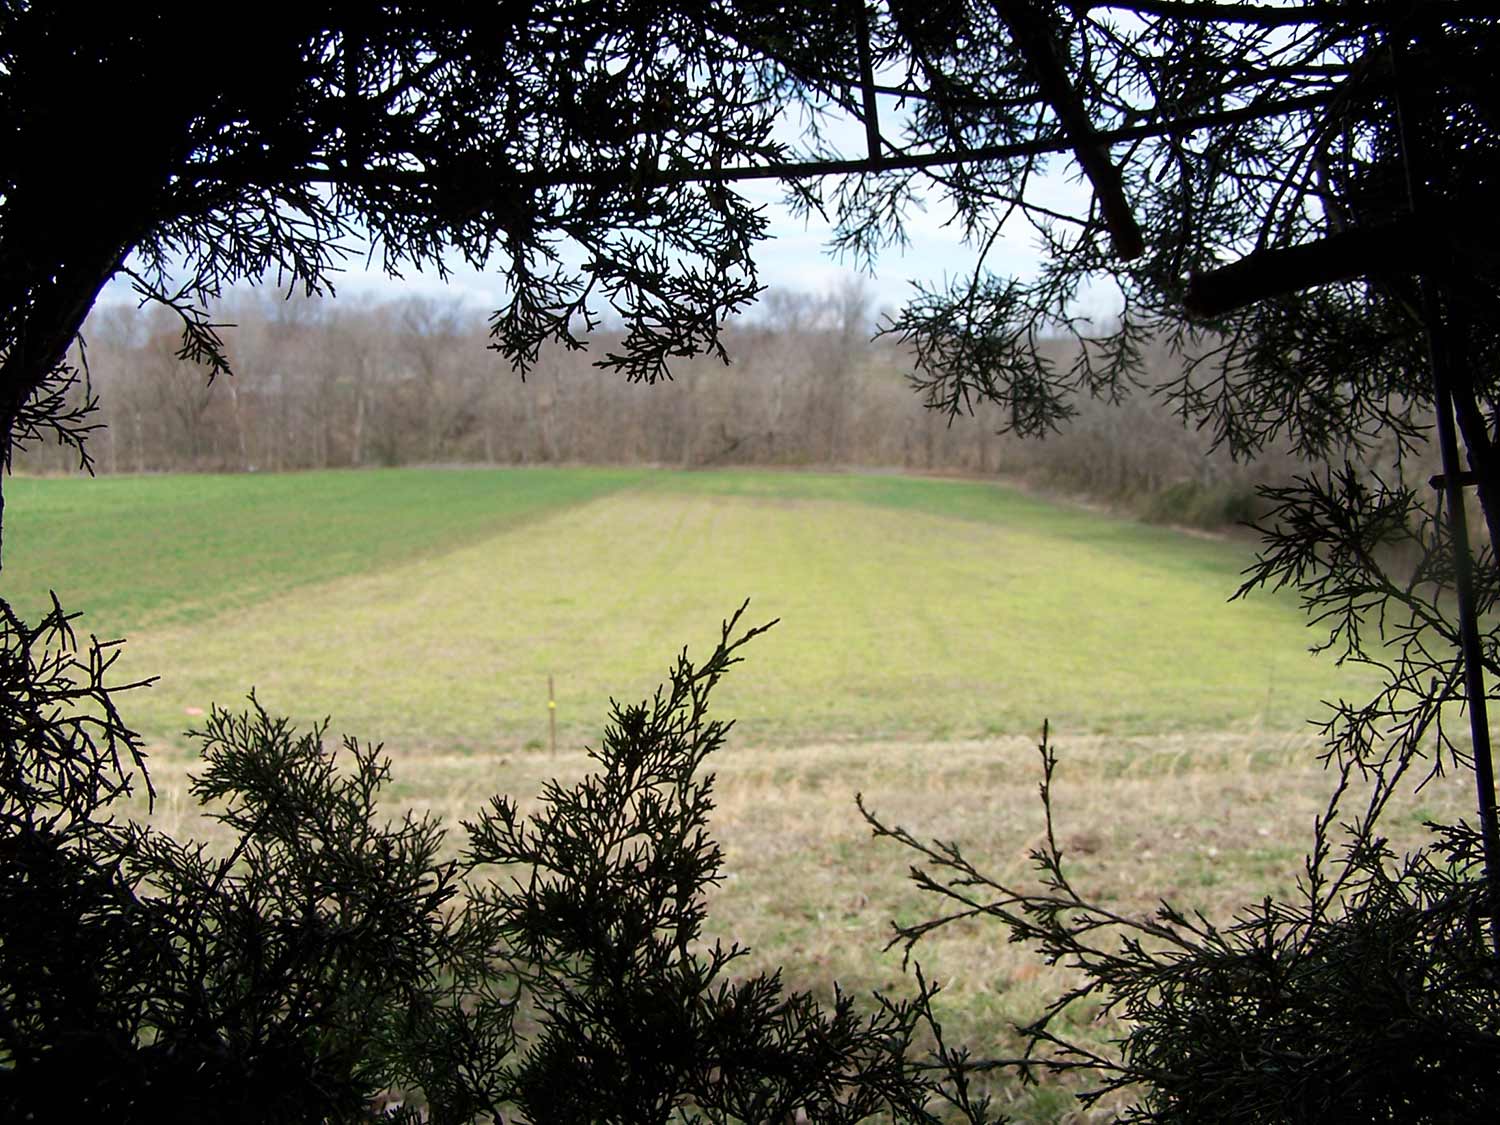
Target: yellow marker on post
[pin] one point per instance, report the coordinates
(552, 716)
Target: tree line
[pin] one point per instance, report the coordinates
(322, 384)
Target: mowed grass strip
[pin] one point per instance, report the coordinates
(136, 551)
(896, 623)
(983, 502)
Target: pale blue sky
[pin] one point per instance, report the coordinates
(795, 257)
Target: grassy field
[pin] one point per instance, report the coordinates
(152, 550)
(927, 629)
(429, 609)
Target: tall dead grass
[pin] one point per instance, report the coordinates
(1210, 822)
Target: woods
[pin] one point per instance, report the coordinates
(364, 383)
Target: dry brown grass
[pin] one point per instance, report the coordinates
(1211, 822)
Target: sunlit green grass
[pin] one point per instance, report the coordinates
(428, 608)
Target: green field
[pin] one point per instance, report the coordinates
(428, 608)
(927, 628)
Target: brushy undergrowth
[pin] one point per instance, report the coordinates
(333, 961)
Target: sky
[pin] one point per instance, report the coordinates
(794, 257)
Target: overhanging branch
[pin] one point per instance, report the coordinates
(812, 169)
(1037, 45)
(1403, 246)
(1266, 15)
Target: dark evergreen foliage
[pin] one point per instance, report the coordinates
(1308, 181)
(1295, 195)
(637, 1016)
(143, 979)
(1370, 997)
(553, 973)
